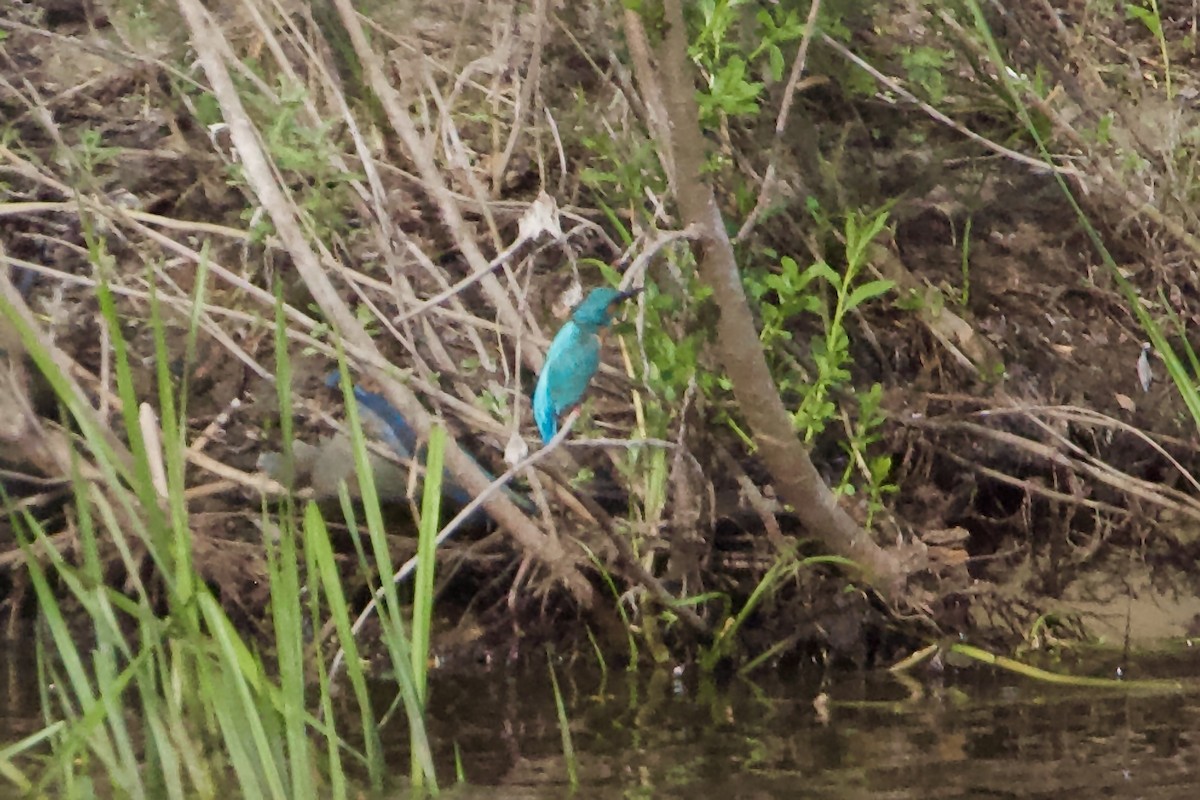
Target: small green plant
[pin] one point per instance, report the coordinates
(722, 29)
(92, 152)
(877, 469)
(1148, 14)
(831, 348)
(788, 292)
(582, 477)
(671, 363)
(564, 726)
(730, 93)
(630, 632)
(621, 167)
(926, 67)
(368, 318)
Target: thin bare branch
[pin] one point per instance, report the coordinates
(262, 179)
(785, 108)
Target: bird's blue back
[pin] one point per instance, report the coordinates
(572, 360)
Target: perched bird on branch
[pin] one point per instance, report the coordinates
(383, 421)
(573, 359)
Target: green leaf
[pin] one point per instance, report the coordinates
(869, 291)
(776, 57)
(1147, 17)
(731, 92)
(594, 177)
(812, 304)
(821, 270)
(791, 269)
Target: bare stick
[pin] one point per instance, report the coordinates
(1035, 163)
(785, 107)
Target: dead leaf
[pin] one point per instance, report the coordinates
(541, 217)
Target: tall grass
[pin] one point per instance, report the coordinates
(149, 690)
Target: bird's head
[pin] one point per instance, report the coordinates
(597, 309)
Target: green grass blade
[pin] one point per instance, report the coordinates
(431, 502)
(564, 727)
(317, 544)
(390, 611)
(242, 673)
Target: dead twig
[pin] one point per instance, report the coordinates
(1036, 164)
(263, 181)
(785, 107)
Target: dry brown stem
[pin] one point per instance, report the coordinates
(420, 152)
(264, 182)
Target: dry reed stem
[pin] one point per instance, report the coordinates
(1084, 416)
(260, 175)
(1098, 471)
(431, 176)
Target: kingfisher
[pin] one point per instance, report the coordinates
(573, 358)
(384, 421)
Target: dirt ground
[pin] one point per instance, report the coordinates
(1055, 488)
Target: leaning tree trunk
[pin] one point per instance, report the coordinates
(738, 345)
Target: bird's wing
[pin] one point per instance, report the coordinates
(545, 408)
(573, 358)
(389, 424)
(573, 370)
(565, 340)
(544, 412)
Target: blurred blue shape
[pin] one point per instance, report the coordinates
(381, 420)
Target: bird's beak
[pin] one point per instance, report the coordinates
(621, 298)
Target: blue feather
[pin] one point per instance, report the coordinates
(384, 421)
(572, 360)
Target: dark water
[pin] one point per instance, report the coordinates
(971, 734)
(974, 733)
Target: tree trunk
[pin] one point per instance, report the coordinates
(796, 479)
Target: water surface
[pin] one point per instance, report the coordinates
(969, 733)
(974, 733)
